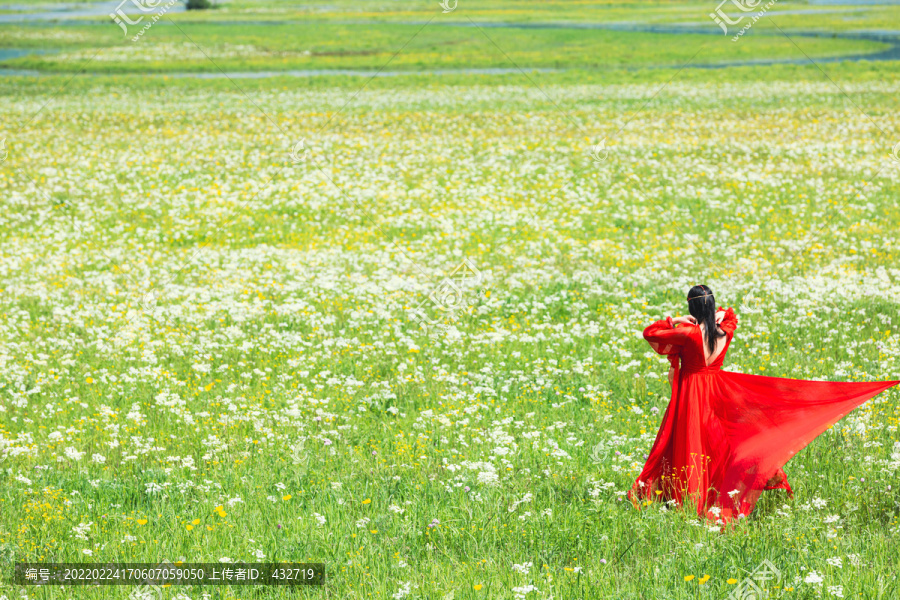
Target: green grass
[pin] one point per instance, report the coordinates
(298, 279)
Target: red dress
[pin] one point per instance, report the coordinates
(725, 436)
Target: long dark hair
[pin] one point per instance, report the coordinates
(702, 306)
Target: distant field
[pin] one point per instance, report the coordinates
(284, 36)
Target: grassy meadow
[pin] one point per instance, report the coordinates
(393, 324)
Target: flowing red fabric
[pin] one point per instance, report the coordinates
(725, 436)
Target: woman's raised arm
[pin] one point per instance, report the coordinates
(664, 337)
(729, 322)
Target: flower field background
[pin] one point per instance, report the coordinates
(226, 336)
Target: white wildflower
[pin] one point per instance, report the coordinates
(405, 587)
(813, 577)
(524, 568)
(521, 592)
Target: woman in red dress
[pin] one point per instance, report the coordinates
(725, 436)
